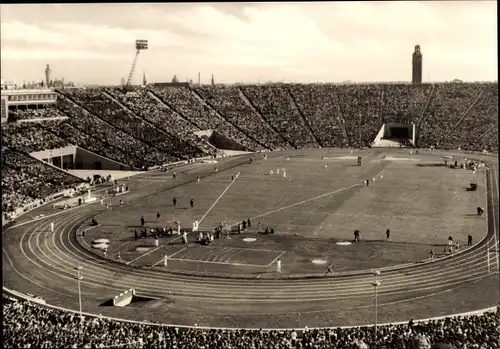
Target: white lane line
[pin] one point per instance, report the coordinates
(275, 259)
(351, 283)
(199, 222)
(303, 202)
(349, 286)
(51, 215)
(223, 263)
(168, 257)
(319, 229)
(495, 231)
(233, 252)
(154, 287)
(216, 201)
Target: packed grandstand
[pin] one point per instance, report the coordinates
(151, 126)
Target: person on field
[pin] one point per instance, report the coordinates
(329, 270)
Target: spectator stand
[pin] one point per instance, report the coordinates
(475, 328)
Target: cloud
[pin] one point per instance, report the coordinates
(41, 54)
(363, 41)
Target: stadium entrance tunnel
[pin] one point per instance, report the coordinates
(395, 136)
(127, 298)
(220, 141)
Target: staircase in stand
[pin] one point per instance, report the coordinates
(191, 135)
(294, 105)
(208, 105)
(251, 106)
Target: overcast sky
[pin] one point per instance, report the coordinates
(250, 42)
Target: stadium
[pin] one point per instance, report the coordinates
(181, 215)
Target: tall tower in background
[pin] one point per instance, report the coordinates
(48, 71)
(416, 76)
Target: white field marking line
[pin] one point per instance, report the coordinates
(223, 263)
(205, 256)
(494, 219)
(433, 268)
(188, 296)
(316, 291)
(350, 285)
(30, 280)
(390, 222)
(319, 229)
(202, 218)
(60, 273)
(351, 282)
(274, 260)
(262, 313)
(223, 252)
(244, 248)
(92, 227)
(151, 180)
(216, 201)
(51, 215)
(233, 252)
(303, 202)
(168, 257)
(223, 255)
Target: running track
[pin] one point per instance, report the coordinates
(42, 263)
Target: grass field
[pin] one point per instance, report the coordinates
(318, 203)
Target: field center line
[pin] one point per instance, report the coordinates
(275, 259)
(173, 254)
(216, 201)
(390, 222)
(304, 201)
(319, 229)
(180, 237)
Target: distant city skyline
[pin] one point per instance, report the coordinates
(250, 42)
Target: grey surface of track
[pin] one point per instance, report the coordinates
(40, 262)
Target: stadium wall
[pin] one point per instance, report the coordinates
(13, 294)
(59, 157)
(87, 160)
(41, 302)
(224, 143)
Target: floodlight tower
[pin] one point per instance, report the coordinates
(139, 46)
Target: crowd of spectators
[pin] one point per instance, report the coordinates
(275, 105)
(25, 179)
(445, 111)
(260, 117)
(184, 143)
(185, 102)
(30, 137)
(227, 100)
(318, 103)
(29, 325)
(157, 125)
(99, 104)
(34, 113)
(94, 126)
(447, 124)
